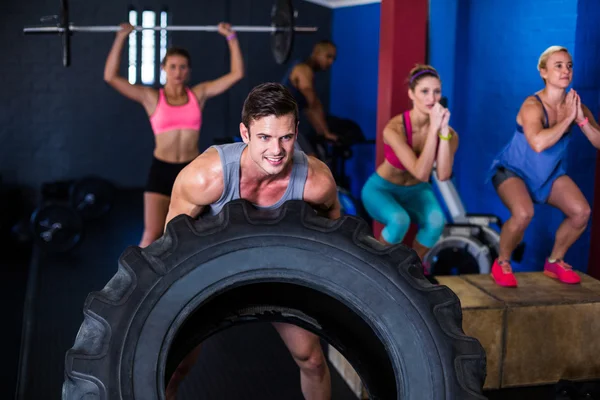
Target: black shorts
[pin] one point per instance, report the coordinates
(162, 176)
(501, 175)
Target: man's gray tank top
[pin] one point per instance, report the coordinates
(231, 154)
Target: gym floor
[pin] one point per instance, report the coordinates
(248, 362)
(13, 284)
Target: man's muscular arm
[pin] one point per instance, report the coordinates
(303, 76)
(197, 186)
(320, 190)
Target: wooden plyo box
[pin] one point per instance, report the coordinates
(536, 334)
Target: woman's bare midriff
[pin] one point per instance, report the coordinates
(395, 175)
(177, 146)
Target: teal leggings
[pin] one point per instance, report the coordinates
(396, 206)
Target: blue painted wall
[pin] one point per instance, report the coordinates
(353, 87)
(587, 84)
(443, 36)
(487, 54)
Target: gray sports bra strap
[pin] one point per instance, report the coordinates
(545, 113)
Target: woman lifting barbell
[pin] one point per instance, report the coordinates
(175, 113)
(531, 167)
(399, 191)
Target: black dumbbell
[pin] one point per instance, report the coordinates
(92, 197)
(57, 226)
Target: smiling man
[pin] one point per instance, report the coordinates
(267, 171)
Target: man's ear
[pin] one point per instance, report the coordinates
(244, 133)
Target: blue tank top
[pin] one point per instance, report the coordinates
(538, 170)
(230, 155)
(287, 82)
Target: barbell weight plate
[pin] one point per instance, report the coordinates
(92, 197)
(282, 41)
(56, 228)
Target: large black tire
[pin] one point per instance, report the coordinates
(402, 334)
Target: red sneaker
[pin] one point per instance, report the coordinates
(562, 271)
(502, 274)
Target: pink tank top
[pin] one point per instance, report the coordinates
(389, 153)
(167, 117)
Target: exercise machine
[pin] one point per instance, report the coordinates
(470, 242)
(335, 156)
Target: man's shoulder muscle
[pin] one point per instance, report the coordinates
(320, 184)
(203, 178)
(197, 185)
(302, 73)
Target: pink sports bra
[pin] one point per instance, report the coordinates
(389, 153)
(167, 117)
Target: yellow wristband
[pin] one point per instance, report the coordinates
(445, 137)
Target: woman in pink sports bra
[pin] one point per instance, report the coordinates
(175, 113)
(399, 191)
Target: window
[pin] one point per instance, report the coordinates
(147, 47)
(132, 70)
(163, 45)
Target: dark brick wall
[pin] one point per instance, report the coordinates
(62, 123)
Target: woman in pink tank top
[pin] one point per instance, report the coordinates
(175, 113)
(399, 192)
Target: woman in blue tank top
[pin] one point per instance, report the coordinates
(532, 167)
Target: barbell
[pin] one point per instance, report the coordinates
(282, 29)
